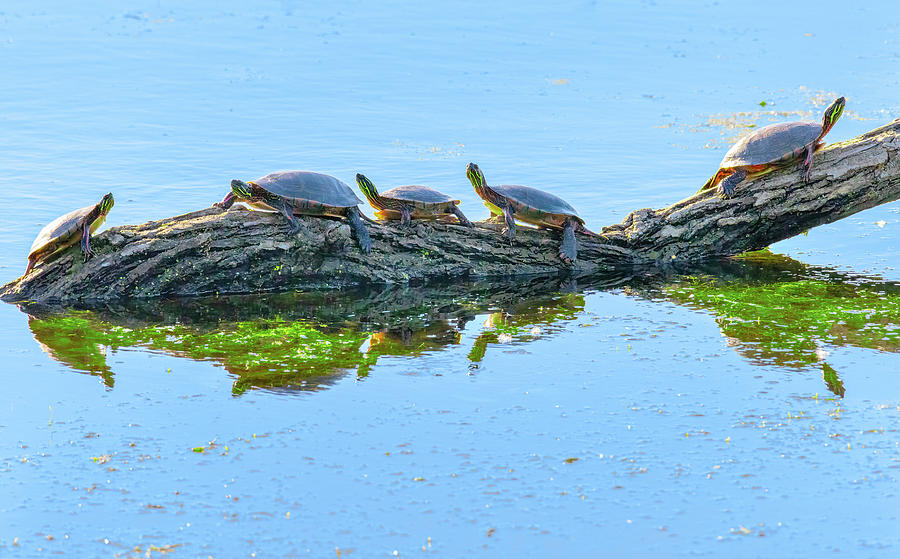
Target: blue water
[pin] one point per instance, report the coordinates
(684, 445)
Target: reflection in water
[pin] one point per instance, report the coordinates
(527, 320)
(404, 340)
(299, 340)
(72, 341)
(266, 352)
(832, 380)
(773, 310)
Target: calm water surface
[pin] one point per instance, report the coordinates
(746, 408)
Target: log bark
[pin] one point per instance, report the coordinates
(217, 252)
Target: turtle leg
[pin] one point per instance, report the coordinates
(359, 230)
(714, 180)
(226, 202)
(568, 250)
(405, 215)
(463, 220)
(86, 249)
(509, 216)
(287, 211)
(30, 266)
(726, 187)
(807, 161)
(406, 335)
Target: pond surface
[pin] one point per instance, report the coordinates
(747, 407)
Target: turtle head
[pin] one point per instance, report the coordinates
(106, 203)
(241, 190)
(366, 186)
(476, 177)
(832, 113)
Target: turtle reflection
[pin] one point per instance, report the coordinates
(289, 341)
(411, 341)
(72, 341)
(775, 310)
(526, 321)
(266, 353)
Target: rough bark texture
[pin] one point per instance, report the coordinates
(212, 251)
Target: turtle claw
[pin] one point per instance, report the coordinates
(726, 187)
(365, 245)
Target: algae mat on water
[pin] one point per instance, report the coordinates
(307, 340)
(792, 322)
(263, 353)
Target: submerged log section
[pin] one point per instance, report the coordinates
(212, 251)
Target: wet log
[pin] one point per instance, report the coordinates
(212, 251)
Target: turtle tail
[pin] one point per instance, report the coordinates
(585, 231)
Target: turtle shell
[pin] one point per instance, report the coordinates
(418, 193)
(307, 185)
(62, 232)
(536, 206)
(771, 143)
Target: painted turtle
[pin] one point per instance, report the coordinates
(67, 230)
(773, 147)
(301, 193)
(533, 206)
(410, 202)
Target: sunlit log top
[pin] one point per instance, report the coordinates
(213, 251)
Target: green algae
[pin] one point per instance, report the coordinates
(789, 323)
(261, 353)
(790, 314)
(73, 342)
(832, 380)
(305, 340)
